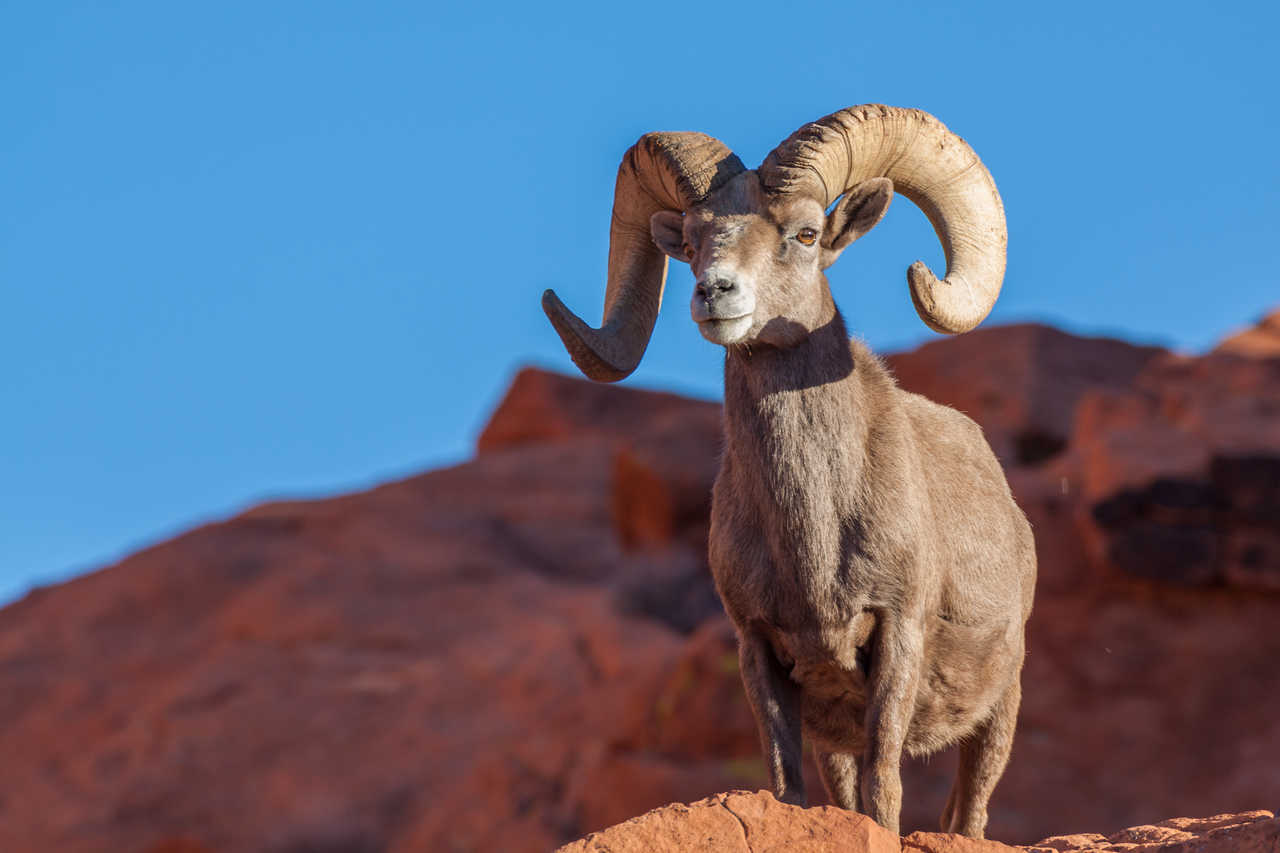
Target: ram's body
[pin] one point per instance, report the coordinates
(850, 514)
(864, 540)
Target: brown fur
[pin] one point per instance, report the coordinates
(864, 539)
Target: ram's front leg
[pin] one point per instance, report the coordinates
(775, 700)
(895, 677)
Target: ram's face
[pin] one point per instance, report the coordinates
(758, 240)
(757, 261)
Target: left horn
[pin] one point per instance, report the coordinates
(928, 164)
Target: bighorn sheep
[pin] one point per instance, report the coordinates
(863, 539)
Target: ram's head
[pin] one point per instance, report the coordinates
(758, 240)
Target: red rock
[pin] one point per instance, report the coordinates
(1182, 473)
(177, 845)
(1248, 832)
(699, 711)
(1258, 341)
(542, 407)
(751, 822)
(662, 480)
(1020, 383)
(643, 504)
(1075, 841)
(942, 842)
(755, 822)
(352, 669)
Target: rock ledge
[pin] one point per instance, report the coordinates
(754, 822)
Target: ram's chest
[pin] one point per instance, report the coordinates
(786, 557)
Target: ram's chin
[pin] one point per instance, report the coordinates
(725, 332)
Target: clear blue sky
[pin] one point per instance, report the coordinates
(251, 250)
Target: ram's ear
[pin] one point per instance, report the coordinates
(854, 215)
(667, 228)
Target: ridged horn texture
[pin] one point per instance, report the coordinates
(662, 171)
(928, 164)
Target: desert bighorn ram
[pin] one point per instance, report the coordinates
(863, 539)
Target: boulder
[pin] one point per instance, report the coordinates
(750, 822)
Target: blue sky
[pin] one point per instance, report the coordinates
(256, 250)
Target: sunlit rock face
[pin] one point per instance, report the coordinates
(745, 821)
(1261, 340)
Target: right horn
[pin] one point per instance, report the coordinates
(929, 165)
(662, 171)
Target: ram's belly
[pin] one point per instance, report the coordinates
(835, 712)
(966, 671)
(957, 689)
(943, 715)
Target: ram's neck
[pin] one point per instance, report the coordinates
(798, 421)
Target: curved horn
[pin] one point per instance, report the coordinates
(929, 165)
(662, 171)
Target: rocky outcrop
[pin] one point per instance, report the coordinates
(1247, 832)
(1021, 383)
(1262, 340)
(753, 822)
(1182, 472)
(742, 821)
(526, 648)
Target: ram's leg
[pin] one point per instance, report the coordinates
(983, 757)
(839, 771)
(895, 677)
(775, 701)
(949, 809)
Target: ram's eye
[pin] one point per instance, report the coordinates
(807, 236)
(688, 251)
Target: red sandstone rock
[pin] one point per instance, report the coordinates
(756, 822)
(431, 660)
(1020, 383)
(542, 407)
(1181, 474)
(1249, 832)
(939, 842)
(1258, 341)
(178, 845)
(751, 822)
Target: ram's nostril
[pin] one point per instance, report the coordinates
(714, 288)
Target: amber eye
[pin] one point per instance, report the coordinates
(807, 236)
(688, 251)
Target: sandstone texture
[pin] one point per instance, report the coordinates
(754, 822)
(524, 649)
(751, 822)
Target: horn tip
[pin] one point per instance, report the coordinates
(551, 302)
(927, 294)
(575, 335)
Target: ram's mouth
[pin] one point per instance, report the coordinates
(725, 330)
